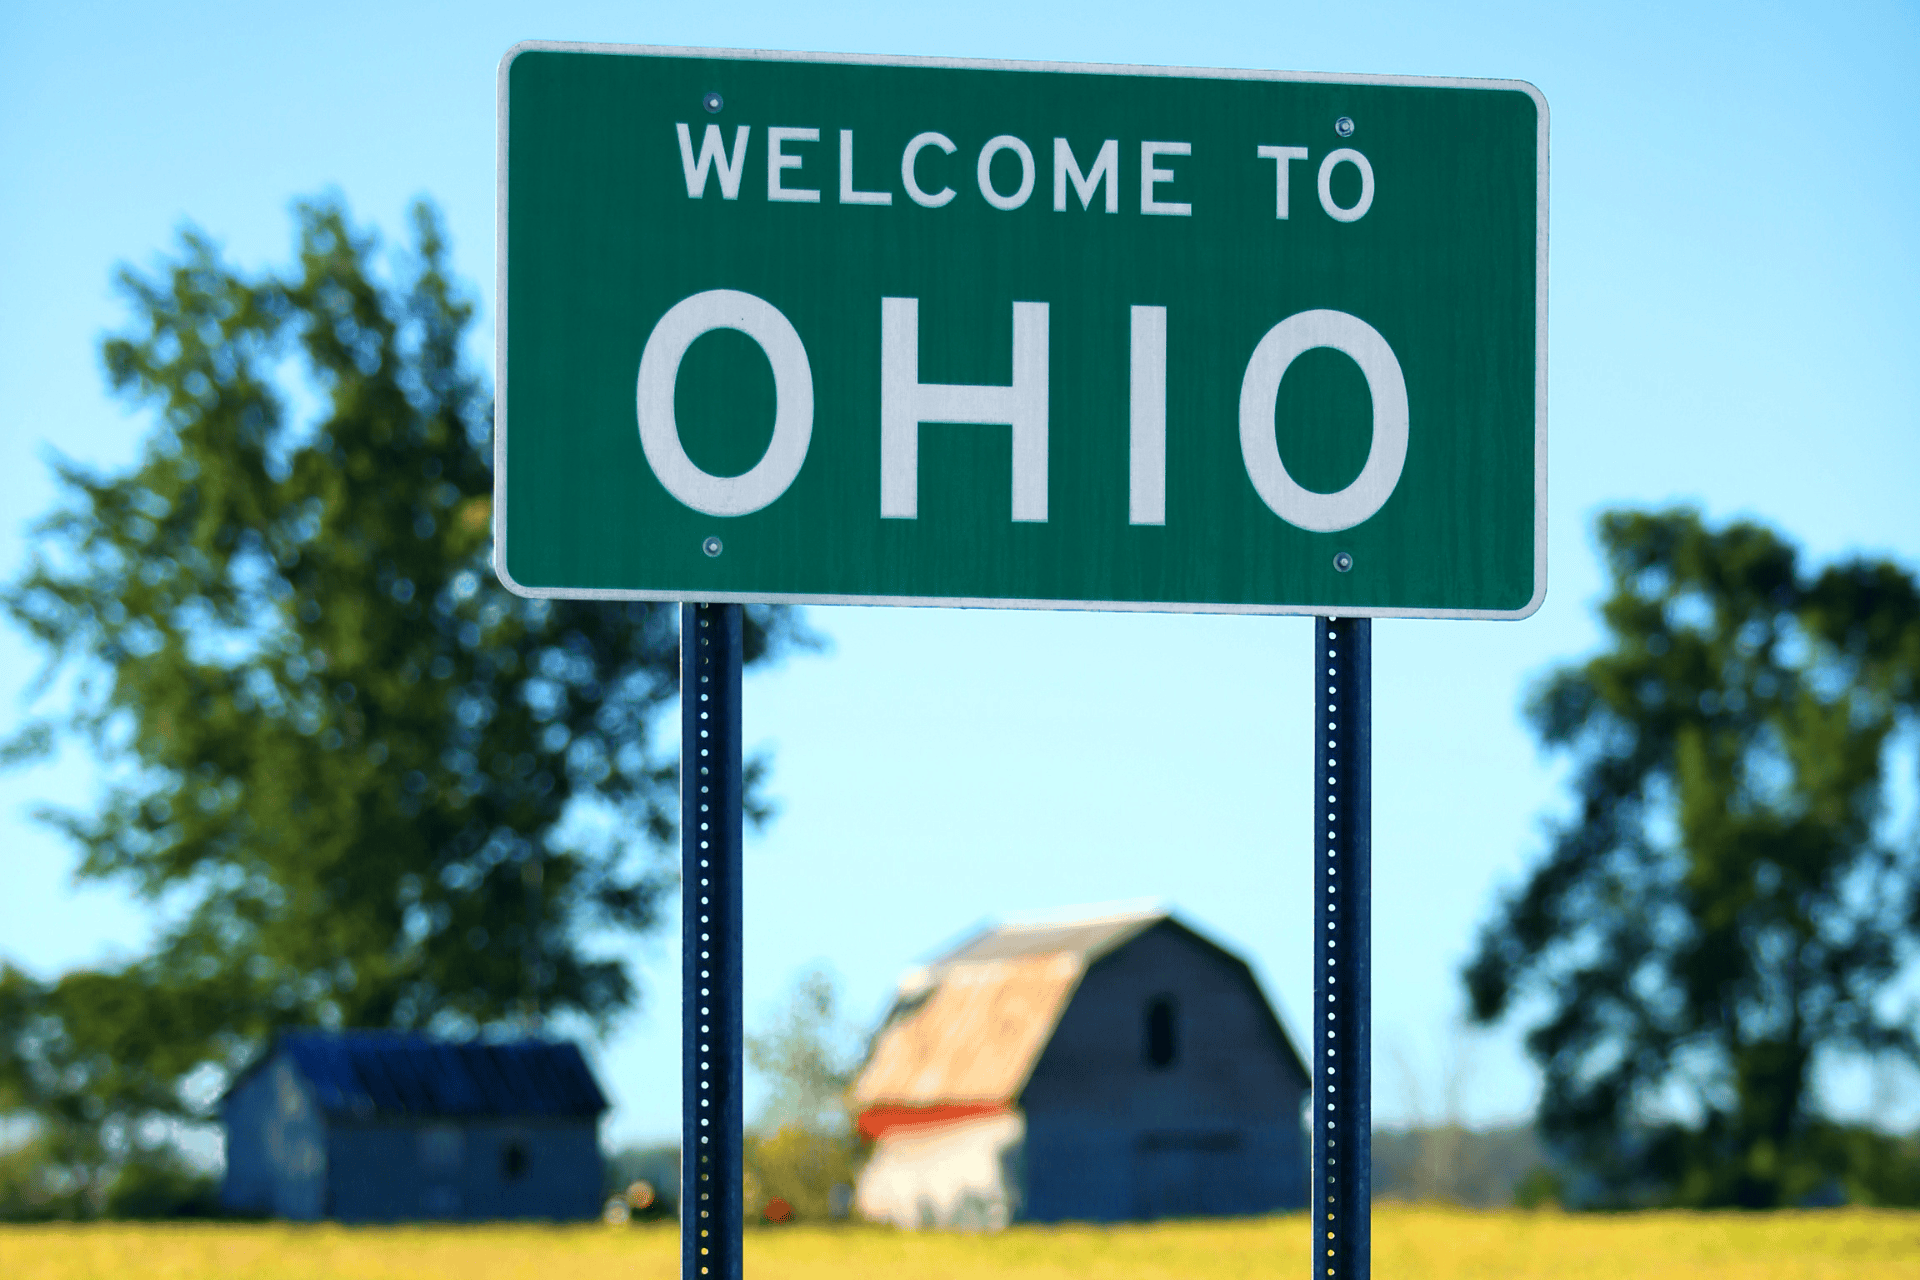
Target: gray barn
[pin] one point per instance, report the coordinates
(374, 1126)
(1122, 1067)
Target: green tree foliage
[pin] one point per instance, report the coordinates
(365, 785)
(801, 1166)
(803, 1142)
(1726, 904)
(807, 1058)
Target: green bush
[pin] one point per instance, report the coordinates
(799, 1165)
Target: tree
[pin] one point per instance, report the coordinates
(371, 787)
(803, 1144)
(1726, 906)
(807, 1058)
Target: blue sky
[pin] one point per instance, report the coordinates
(1735, 317)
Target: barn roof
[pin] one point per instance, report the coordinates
(1088, 939)
(972, 1036)
(376, 1073)
(968, 1027)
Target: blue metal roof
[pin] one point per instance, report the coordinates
(363, 1073)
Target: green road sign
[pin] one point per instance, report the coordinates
(918, 331)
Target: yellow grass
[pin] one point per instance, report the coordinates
(1430, 1243)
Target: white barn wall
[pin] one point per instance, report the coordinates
(965, 1174)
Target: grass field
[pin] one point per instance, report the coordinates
(1430, 1243)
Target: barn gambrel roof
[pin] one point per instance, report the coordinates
(968, 1028)
(389, 1074)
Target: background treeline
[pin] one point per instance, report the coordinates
(1511, 1165)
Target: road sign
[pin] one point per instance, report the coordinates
(922, 331)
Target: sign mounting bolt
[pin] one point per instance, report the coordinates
(711, 546)
(1342, 561)
(1343, 126)
(713, 102)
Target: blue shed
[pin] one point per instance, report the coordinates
(364, 1126)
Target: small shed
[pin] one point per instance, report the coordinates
(1101, 1069)
(365, 1126)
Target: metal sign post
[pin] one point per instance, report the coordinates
(710, 1022)
(1340, 1207)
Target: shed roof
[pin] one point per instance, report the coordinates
(968, 1027)
(378, 1073)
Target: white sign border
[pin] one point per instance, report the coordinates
(970, 602)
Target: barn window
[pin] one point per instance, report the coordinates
(1161, 1048)
(513, 1160)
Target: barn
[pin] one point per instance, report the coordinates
(377, 1127)
(1100, 1069)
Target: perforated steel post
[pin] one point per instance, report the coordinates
(710, 1031)
(1341, 1204)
